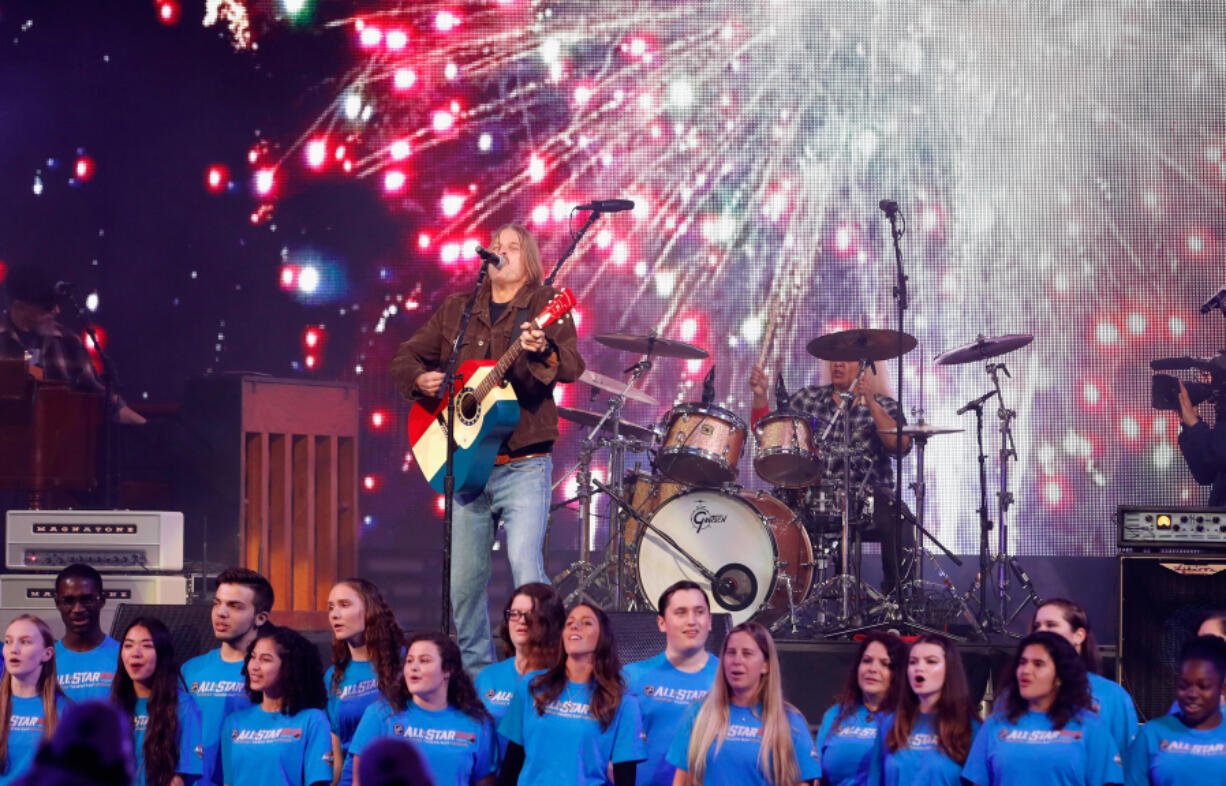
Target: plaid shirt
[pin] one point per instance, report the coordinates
(59, 353)
(873, 462)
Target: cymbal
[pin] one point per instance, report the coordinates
(983, 348)
(922, 430)
(586, 418)
(866, 343)
(598, 380)
(652, 345)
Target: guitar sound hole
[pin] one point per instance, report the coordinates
(468, 406)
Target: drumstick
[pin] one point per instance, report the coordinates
(771, 319)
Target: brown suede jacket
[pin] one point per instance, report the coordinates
(532, 376)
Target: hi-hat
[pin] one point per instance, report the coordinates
(598, 380)
(652, 345)
(625, 427)
(921, 430)
(861, 344)
(983, 348)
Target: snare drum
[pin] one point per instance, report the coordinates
(702, 445)
(750, 541)
(785, 450)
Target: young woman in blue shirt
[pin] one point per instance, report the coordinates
(744, 733)
(30, 698)
(1187, 748)
(569, 725)
(1112, 703)
(532, 634)
(283, 739)
(436, 708)
(1044, 731)
(165, 720)
(926, 740)
(849, 729)
(367, 652)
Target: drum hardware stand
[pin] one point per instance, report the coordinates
(995, 571)
(590, 573)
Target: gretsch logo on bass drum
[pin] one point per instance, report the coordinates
(702, 518)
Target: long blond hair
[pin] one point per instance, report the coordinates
(777, 755)
(48, 687)
(531, 251)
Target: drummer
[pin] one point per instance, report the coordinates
(872, 415)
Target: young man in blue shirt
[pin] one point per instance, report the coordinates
(86, 658)
(667, 684)
(241, 605)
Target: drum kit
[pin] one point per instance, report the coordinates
(788, 558)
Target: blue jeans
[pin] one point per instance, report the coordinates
(517, 494)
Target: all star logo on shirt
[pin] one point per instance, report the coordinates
(217, 688)
(358, 689)
(1038, 737)
(686, 696)
(265, 735)
(434, 736)
(1192, 749)
(570, 709)
(500, 697)
(86, 679)
(858, 732)
(739, 732)
(921, 741)
(25, 722)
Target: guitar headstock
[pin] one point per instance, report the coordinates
(556, 308)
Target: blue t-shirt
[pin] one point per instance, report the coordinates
(458, 748)
(664, 693)
(1032, 753)
(85, 676)
(921, 763)
(847, 752)
(495, 685)
(217, 688)
(735, 762)
(191, 752)
(1167, 753)
(1115, 709)
(565, 746)
(358, 690)
(26, 724)
(261, 748)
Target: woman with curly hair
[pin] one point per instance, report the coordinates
(744, 733)
(165, 720)
(532, 634)
(30, 698)
(367, 646)
(284, 738)
(1112, 703)
(436, 709)
(1044, 729)
(848, 731)
(568, 725)
(926, 740)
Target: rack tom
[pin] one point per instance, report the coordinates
(785, 450)
(702, 445)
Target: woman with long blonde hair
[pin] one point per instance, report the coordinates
(744, 732)
(30, 697)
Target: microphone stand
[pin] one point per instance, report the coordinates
(110, 476)
(452, 391)
(574, 242)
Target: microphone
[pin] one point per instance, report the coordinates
(63, 288)
(608, 205)
(497, 260)
(976, 403)
(1182, 363)
(1217, 301)
(889, 207)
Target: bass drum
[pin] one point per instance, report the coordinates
(752, 542)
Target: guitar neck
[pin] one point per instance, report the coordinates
(494, 378)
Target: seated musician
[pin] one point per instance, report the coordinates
(29, 329)
(872, 413)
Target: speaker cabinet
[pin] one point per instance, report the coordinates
(1162, 600)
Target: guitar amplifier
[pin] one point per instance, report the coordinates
(109, 540)
(34, 593)
(1173, 526)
